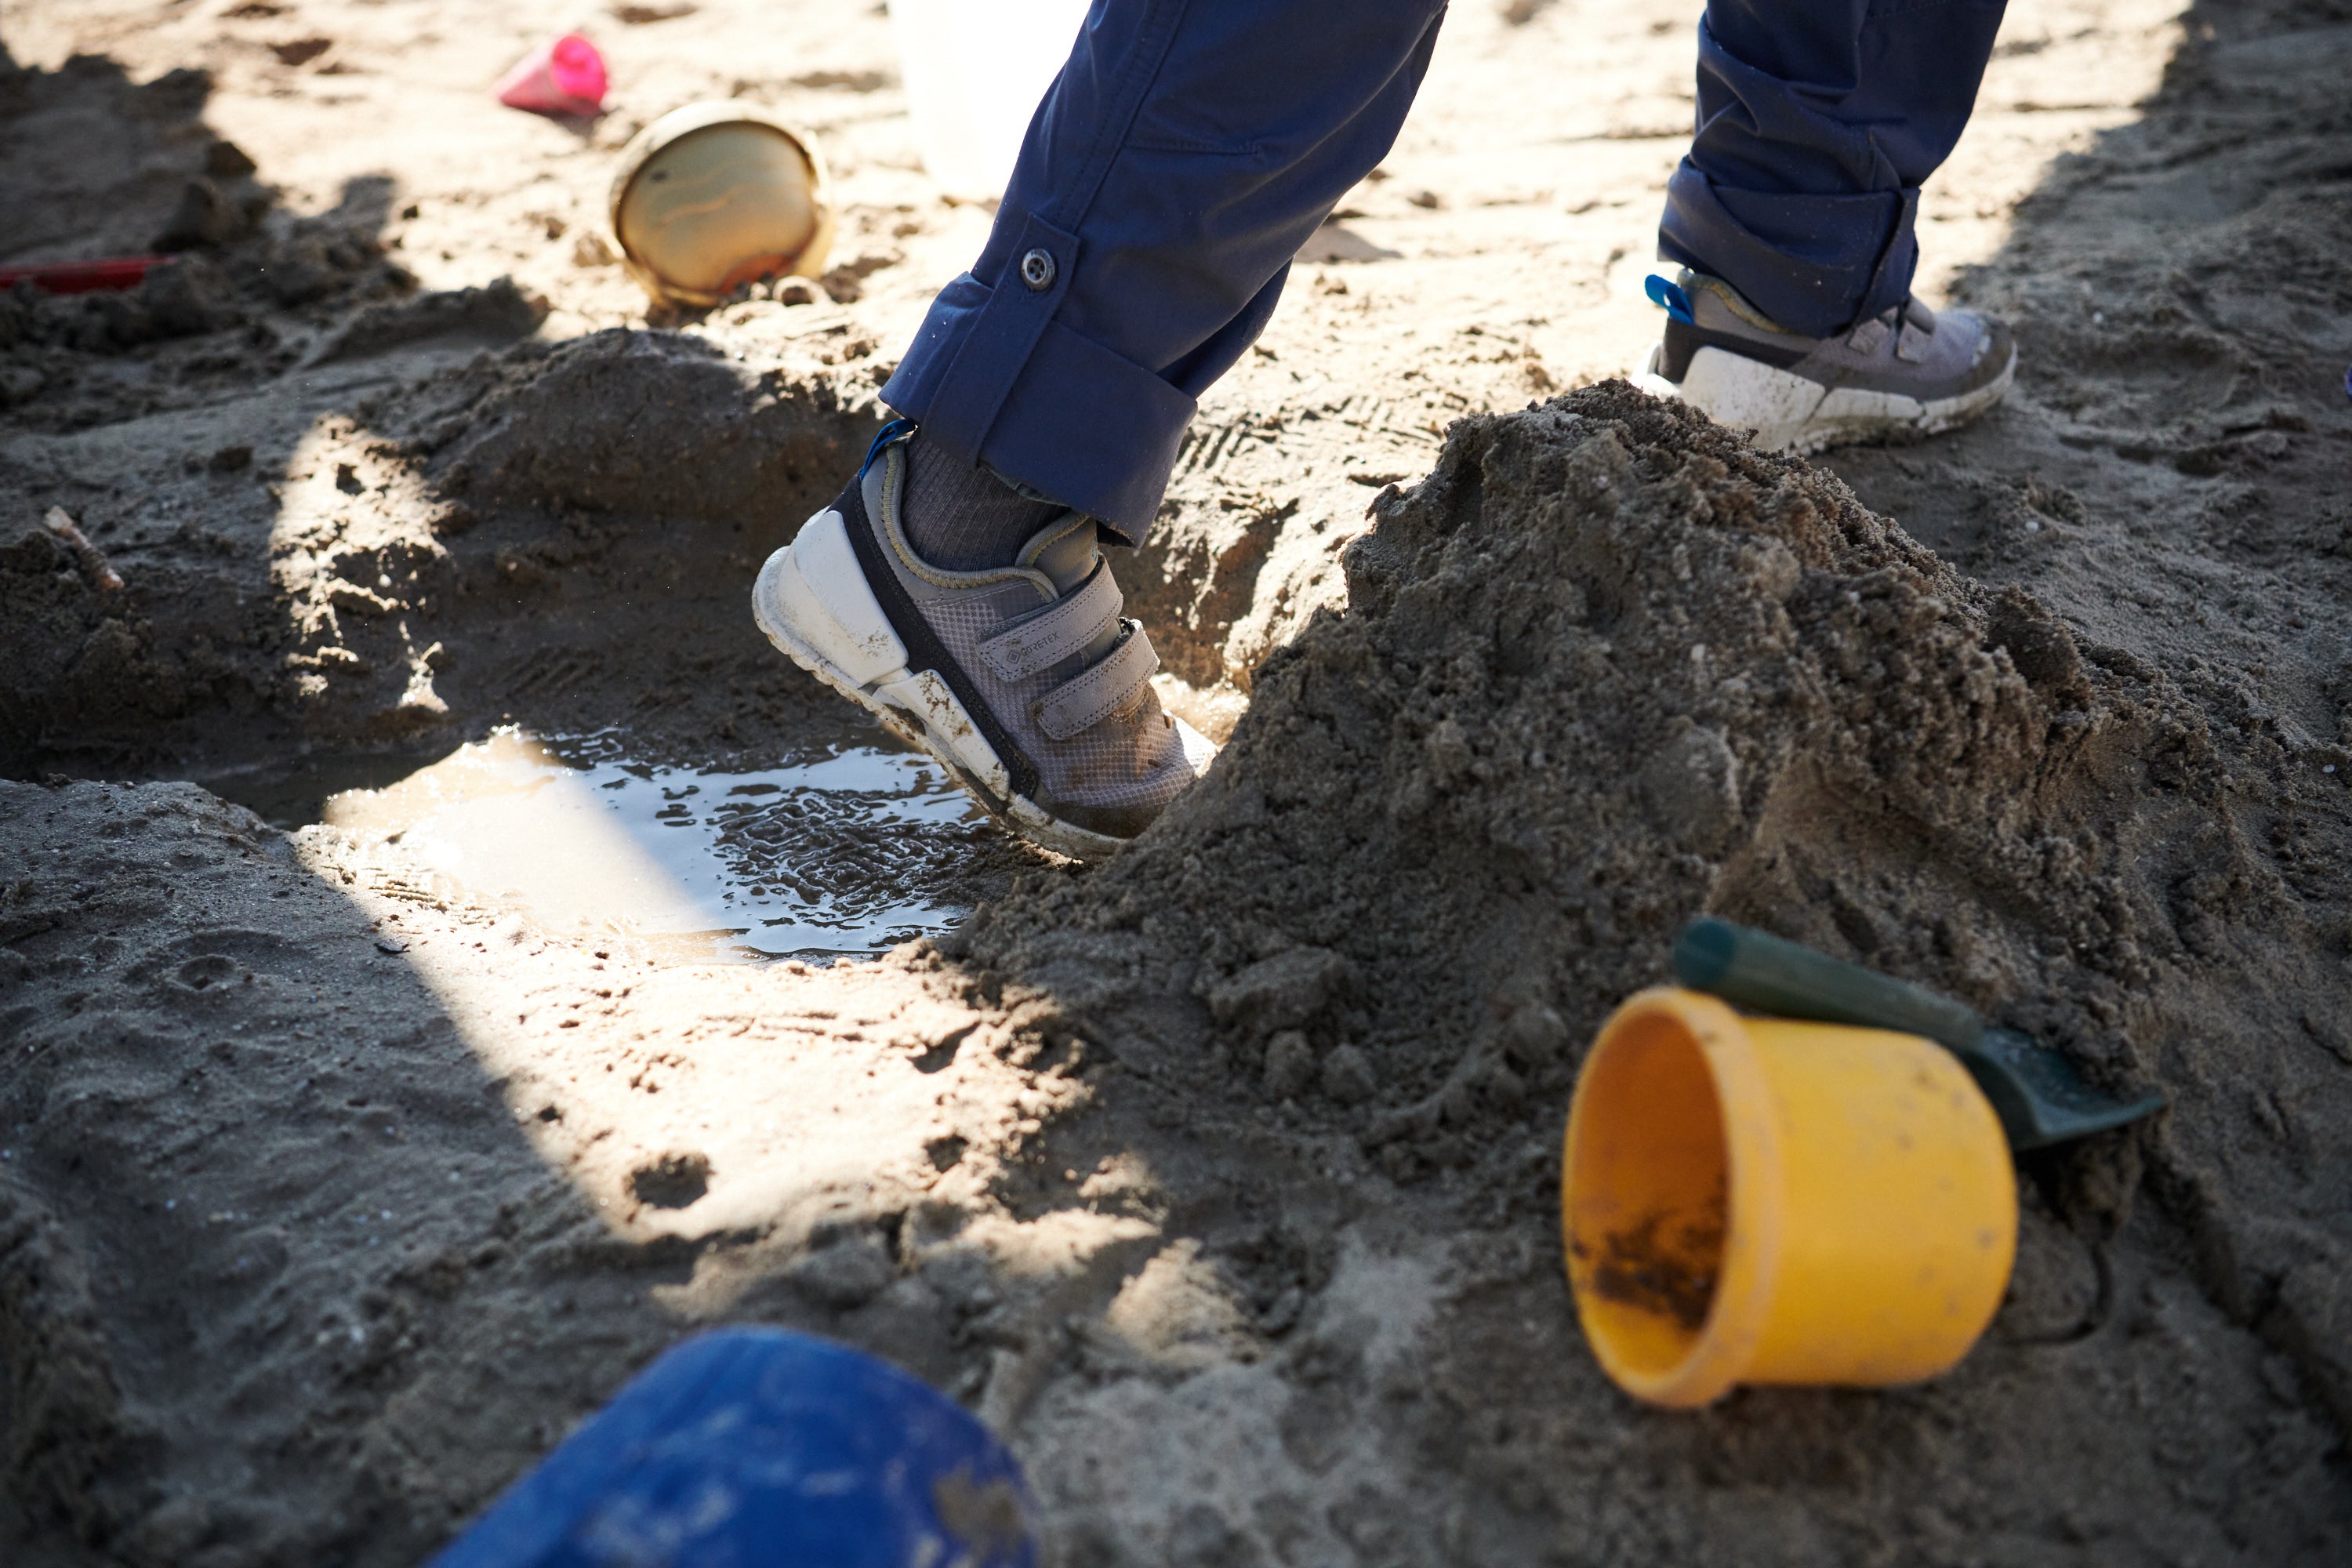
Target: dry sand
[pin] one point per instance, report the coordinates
(335, 1186)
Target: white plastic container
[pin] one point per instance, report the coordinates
(974, 70)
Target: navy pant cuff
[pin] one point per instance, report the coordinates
(1816, 288)
(1079, 424)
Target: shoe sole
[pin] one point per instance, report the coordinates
(812, 600)
(1790, 413)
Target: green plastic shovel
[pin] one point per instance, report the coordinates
(2034, 1089)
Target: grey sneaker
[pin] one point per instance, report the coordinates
(1023, 681)
(1908, 371)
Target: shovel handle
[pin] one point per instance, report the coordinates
(1766, 975)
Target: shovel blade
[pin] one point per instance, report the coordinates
(2038, 1095)
(2034, 1089)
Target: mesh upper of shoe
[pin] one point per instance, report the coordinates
(1908, 348)
(1131, 759)
(1943, 349)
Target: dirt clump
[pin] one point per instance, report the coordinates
(74, 648)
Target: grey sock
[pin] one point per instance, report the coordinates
(965, 518)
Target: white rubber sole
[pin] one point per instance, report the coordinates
(812, 601)
(1790, 414)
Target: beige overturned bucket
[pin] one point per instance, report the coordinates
(714, 195)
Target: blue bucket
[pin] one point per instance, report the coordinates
(752, 1448)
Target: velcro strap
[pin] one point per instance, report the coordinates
(1102, 690)
(1913, 344)
(1055, 632)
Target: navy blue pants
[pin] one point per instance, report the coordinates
(1192, 146)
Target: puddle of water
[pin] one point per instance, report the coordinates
(848, 853)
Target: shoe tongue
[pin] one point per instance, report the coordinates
(1064, 550)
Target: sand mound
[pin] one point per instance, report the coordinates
(1607, 668)
(658, 422)
(390, 569)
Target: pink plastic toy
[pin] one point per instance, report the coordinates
(563, 75)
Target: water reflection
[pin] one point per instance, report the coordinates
(847, 853)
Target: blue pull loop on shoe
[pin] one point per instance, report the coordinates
(895, 431)
(1668, 297)
(753, 1447)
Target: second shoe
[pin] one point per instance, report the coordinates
(1905, 372)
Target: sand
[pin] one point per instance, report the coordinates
(334, 1187)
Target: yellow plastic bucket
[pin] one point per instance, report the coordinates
(714, 195)
(1757, 1200)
